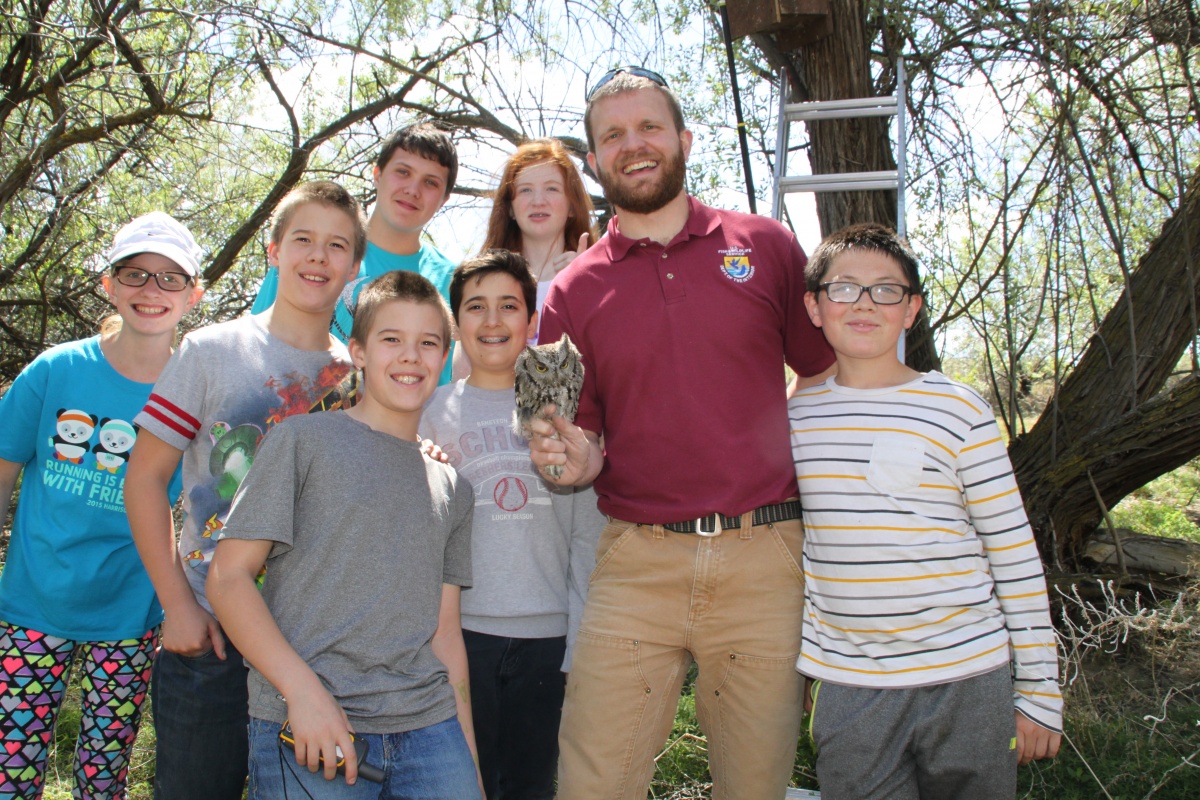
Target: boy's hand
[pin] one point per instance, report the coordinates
(558, 441)
(1035, 742)
(320, 727)
(433, 451)
(191, 631)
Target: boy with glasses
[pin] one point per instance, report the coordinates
(924, 591)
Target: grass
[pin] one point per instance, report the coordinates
(1167, 506)
(1115, 758)
(1132, 668)
(1132, 728)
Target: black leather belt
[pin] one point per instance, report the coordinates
(713, 524)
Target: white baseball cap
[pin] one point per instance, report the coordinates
(157, 232)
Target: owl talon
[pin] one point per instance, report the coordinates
(553, 471)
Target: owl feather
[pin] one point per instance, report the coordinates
(547, 373)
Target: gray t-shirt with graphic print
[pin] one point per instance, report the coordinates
(222, 390)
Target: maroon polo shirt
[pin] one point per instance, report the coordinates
(683, 348)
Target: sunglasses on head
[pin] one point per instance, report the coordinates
(640, 72)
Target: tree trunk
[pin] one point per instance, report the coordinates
(1147, 553)
(835, 68)
(1159, 436)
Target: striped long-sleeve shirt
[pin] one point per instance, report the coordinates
(919, 561)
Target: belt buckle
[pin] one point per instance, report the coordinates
(716, 531)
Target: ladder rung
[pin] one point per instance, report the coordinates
(811, 116)
(842, 109)
(850, 103)
(840, 182)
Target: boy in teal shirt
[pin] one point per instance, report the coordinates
(413, 176)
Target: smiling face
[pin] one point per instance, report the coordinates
(539, 202)
(409, 191)
(401, 361)
(315, 257)
(864, 334)
(148, 310)
(640, 156)
(493, 325)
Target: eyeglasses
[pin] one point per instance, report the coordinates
(167, 281)
(884, 294)
(640, 72)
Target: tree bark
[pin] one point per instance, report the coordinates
(1147, 553)
(838, 67)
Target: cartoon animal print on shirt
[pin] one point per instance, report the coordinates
(73, 430)
(116, 440)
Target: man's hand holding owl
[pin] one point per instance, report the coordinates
(562, 442)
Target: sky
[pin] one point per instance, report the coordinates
(547, 98)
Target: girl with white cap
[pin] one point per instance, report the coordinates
(73, 590)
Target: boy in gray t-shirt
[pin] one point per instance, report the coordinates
(357, 625)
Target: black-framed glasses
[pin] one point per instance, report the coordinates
(640, 72)
(884, 294)
(167, 281)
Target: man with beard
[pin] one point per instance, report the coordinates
(684, 315)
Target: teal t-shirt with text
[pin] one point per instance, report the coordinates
(72, 568)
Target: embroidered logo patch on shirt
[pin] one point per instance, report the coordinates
(737, 266)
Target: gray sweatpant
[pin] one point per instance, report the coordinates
(949, 740)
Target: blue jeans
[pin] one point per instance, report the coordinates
(516, 701)
(200, 716)
(430, 763)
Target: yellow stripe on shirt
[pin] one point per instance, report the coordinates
(891, 579)
(807, 657)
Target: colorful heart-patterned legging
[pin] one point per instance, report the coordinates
(34, 668)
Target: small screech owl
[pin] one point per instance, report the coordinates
(548, 373)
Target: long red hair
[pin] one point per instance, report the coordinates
(502, 228)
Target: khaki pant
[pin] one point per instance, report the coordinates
(659, 600)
